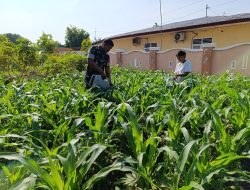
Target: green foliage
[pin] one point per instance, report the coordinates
(64, 63)
(13, 37)
(26, 52)
(75, 61)
(141, 134)
(74, 37)
(46, 44)
(8, 58)
(86, 44)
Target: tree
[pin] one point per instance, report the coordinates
(7, 54)
(86, 43)
(13, 37)
(46, 44)
(75, 36)
(26, 52)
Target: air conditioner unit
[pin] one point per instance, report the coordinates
(179, 36)
(136, 41)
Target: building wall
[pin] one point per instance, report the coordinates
(223, 36)
(136, 59)
(222, 59)
(112, 57)
(166, 60)
(238, 55)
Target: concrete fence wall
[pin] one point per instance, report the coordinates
(208, 60)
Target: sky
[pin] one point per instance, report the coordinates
(104, 18)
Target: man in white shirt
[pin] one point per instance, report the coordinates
(183, 67)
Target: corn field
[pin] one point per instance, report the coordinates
(140, 135)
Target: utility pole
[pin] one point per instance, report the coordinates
(161, 23)
(95, 33)
(207, 7)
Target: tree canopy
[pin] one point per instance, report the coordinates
(26, 51)
(46, 44)
(86, 44)
(13, 37)
(75, 36)
(7, 53)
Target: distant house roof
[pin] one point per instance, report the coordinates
(62, 50)
(188, 24)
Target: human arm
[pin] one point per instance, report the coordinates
(93, 66)
(182, 75)
(108, 73)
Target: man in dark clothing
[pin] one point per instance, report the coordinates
(99, 62)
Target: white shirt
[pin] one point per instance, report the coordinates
(182, 68)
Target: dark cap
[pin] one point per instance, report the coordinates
(181, 53)
(108, 42)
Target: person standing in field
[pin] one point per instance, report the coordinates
(183, 67)
(99, 63)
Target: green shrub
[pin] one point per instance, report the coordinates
(74, 60)
(64, 63)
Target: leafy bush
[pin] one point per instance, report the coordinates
(74, 60)
(65, 63)
(8, 56)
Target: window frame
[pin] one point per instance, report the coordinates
(244, 62)
(199, 45)
(151, 44)
(233, 64)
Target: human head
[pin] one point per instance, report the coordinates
(107, 45)
(181, 56)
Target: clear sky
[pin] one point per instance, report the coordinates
(104, 18)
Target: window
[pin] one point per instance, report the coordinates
(197, 43)
(148, 45)
(153, 45)
(233, 64)
(207, 40)
(170, 64)
(244, 62)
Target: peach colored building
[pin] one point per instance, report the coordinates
(213, 45)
